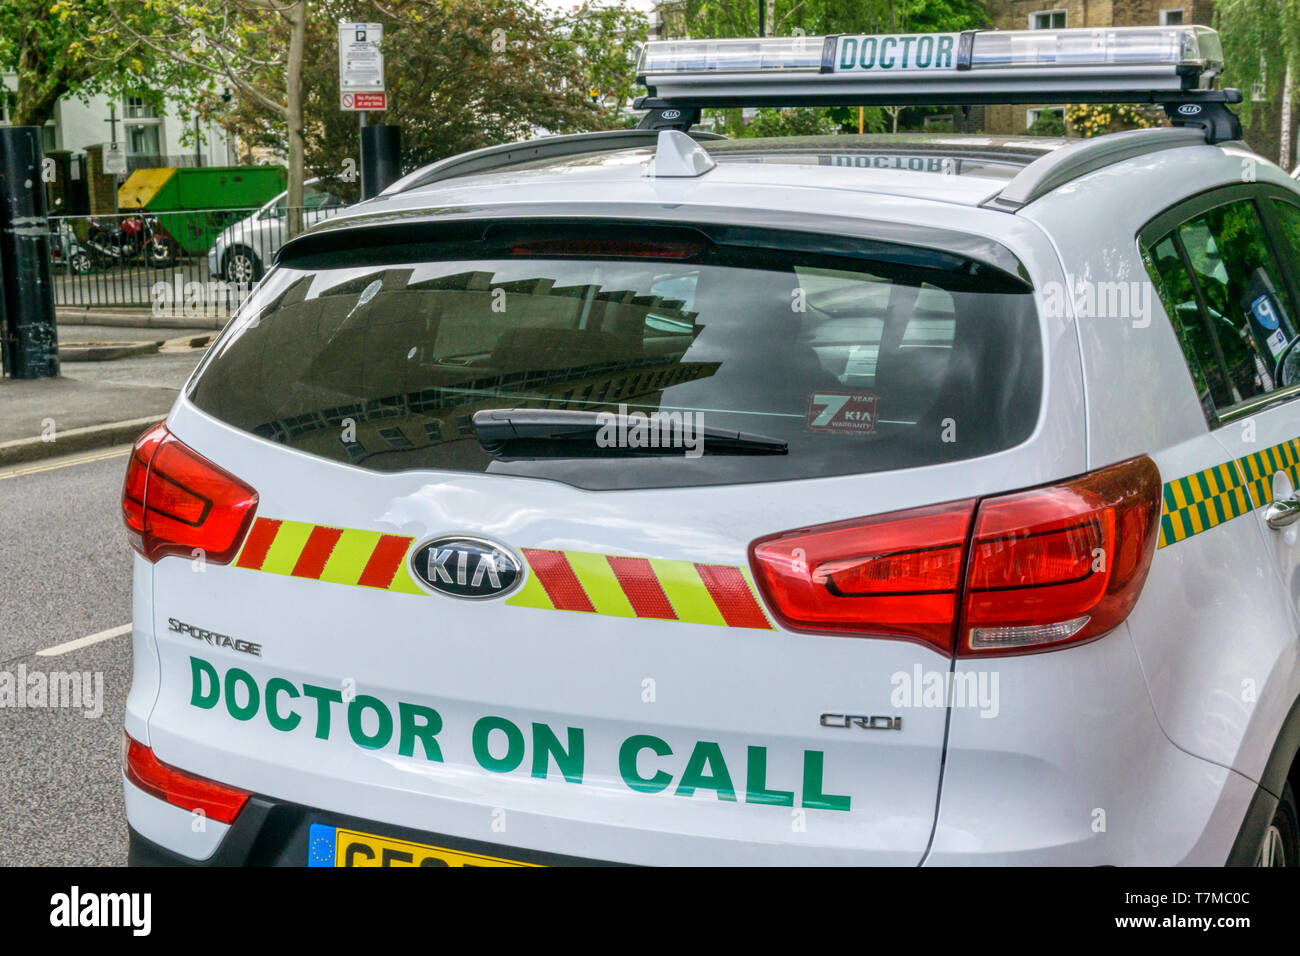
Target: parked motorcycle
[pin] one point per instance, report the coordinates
(66, 251)
(133, 237)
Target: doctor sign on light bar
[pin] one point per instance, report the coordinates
(1118, 64)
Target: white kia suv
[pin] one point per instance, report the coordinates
(647, 497)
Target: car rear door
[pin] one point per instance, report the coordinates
(1227, 282)
(623, 688)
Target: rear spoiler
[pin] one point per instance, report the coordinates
(904, 244)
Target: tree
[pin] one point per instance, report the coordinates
(61, 48)
(739, 18)
(254, 46)
(1090, 119)
(1047, 123)
(603, 42)
(459, 76)
(1261, 52)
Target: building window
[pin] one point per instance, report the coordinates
(142, 140)
(1047, 20)
(136, 108)
(1046, 121)
(141, 128)
(1171, 18)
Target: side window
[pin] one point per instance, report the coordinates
(1174, 286)
(1288, 217)
(276, 210)
(315, 198)
(1226, 296)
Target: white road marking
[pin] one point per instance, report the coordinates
(84, 641)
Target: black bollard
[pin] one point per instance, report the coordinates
(32, 347)
(381, 158)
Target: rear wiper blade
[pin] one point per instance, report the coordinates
(513, 434)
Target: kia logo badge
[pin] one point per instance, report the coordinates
(1189, 109)
(463, 567)
(671, 114)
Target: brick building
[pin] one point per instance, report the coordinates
(1263, 132)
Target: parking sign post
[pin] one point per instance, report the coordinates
(361, 77)
(381, 164)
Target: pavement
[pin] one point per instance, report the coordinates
(133, 318)
(94, 404)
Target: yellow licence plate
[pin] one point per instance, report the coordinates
(335, 846)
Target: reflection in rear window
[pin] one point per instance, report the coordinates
(852, 366)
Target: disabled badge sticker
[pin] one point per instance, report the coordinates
(846, 412)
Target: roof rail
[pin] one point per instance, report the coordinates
(1068, 163)
(547, 147)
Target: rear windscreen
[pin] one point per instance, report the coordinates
(704, 364)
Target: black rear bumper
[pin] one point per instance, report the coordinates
(273, 833)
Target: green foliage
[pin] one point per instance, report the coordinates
(1261, 39)
(203, 47)
(874, 119)
(460, 76)
(739, 18)
(1047, 123)
(602, 43)
(801, 121)
(1088, 120)
(60, 48)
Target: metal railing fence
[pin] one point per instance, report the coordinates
(204, 259)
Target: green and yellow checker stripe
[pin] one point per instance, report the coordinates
(1200, 501)
(1206, 499)
(1260, 467)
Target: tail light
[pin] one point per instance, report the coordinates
(218, 801)
(175, 501)
(612, 248)
(1061, 564)
(894, 575)
(1028, 571)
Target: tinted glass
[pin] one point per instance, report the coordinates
(1222, 288)
(855, 368)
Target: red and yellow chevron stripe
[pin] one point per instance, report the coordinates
(618, 586)
(664, 590)
(338, 555)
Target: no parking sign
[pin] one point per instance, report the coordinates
(361, 67)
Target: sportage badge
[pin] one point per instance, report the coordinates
(465, 567)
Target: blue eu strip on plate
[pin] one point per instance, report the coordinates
(320, 845)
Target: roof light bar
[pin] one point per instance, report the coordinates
(1117, 64)
(1189, 49)
(731, 56)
